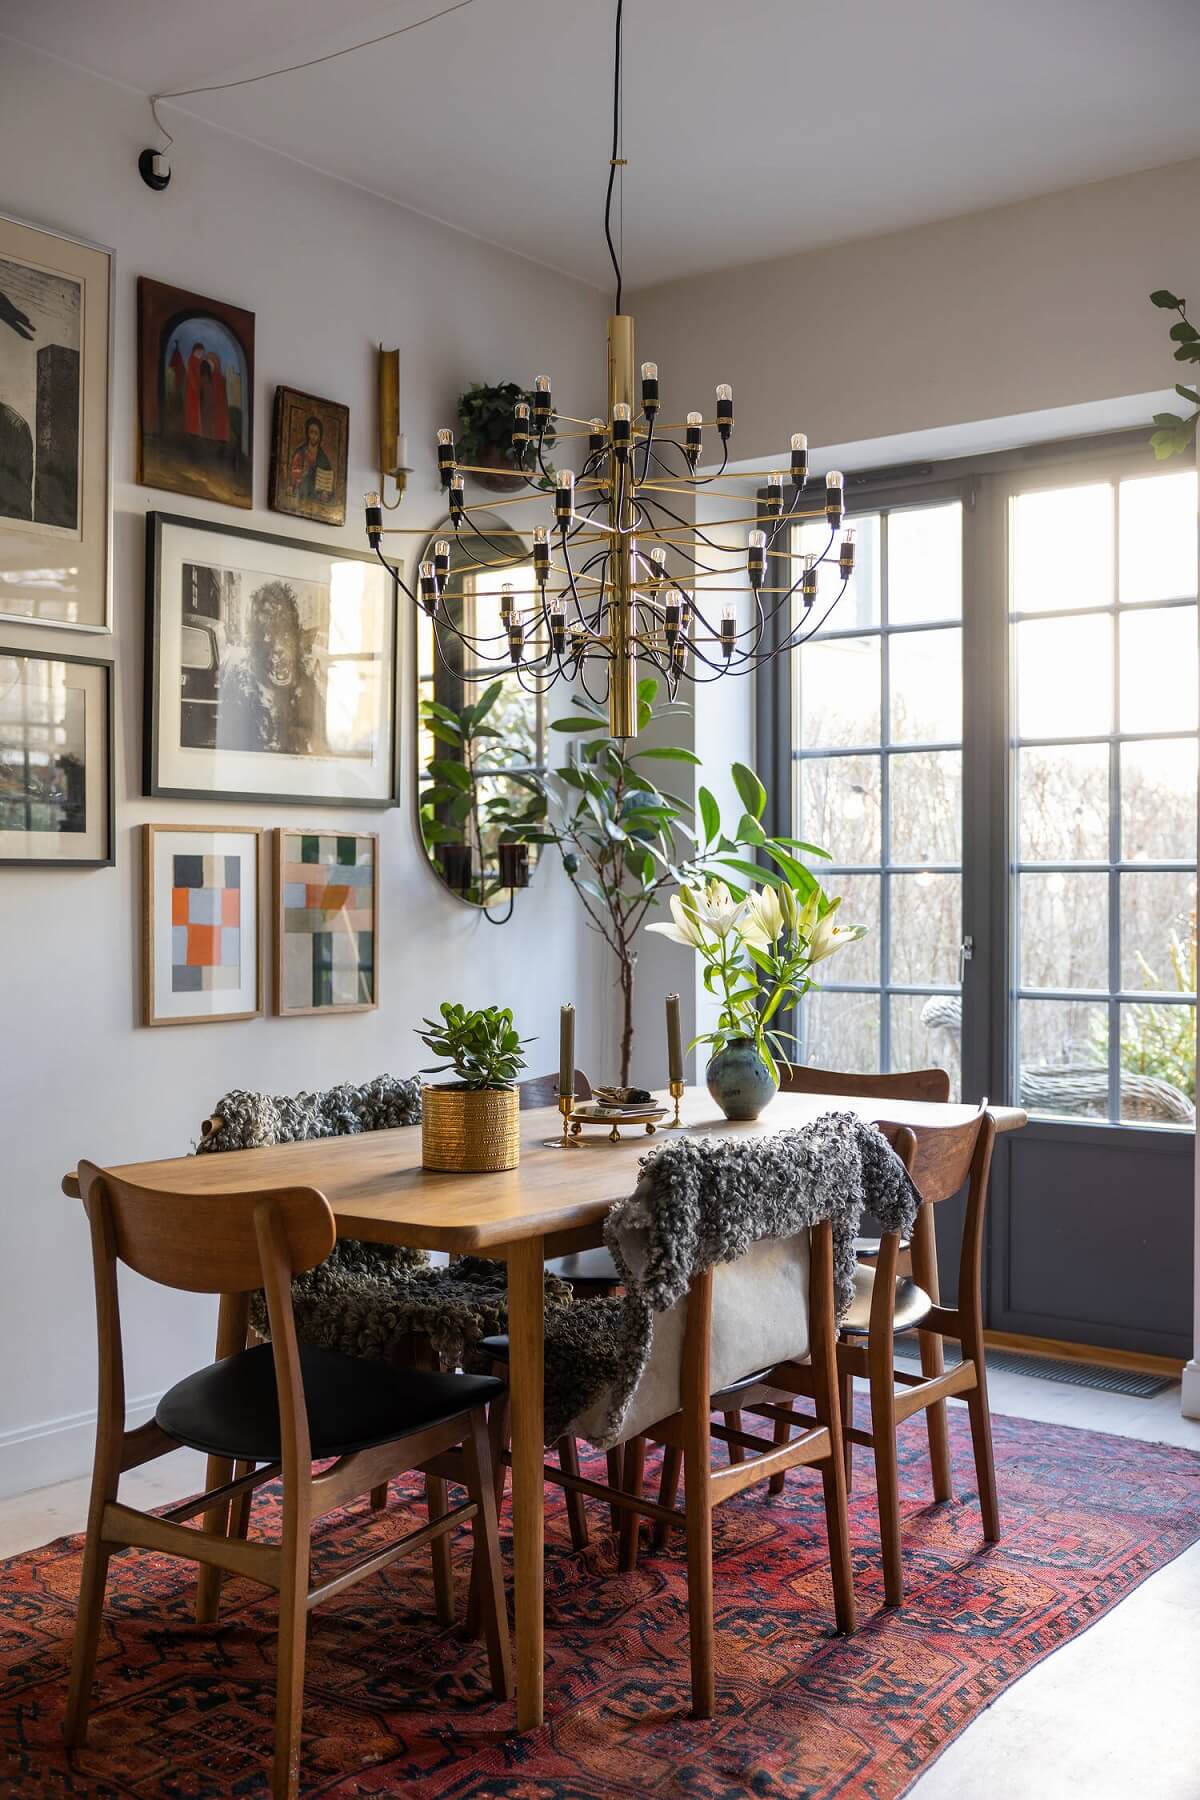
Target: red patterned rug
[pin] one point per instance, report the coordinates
(396, 1705)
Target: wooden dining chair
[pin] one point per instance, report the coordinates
(274, 1409)
(718, 1296)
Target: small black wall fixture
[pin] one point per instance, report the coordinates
(154, 170)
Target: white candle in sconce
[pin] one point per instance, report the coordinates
(402, 451)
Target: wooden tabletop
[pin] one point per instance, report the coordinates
(378, 1190)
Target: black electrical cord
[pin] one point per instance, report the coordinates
(613, 160)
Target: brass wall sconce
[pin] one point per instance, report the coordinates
(393, 453)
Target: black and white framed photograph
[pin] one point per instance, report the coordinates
(56, 760)
(55, 465)
(270, 667)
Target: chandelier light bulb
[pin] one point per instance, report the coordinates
(508, 604)
(374, 513)
(835, 504)
(728, 631)
(756, 558)
(516, 638)
(622, 428)
(429, 588)
(457, 497)
(564, 496)
(799, 459)
(808, 581)
(724, 409)
(774, 499)
(846, 554)
(649, 389)
(597, 436)
(521, 422)
(658, 564)
(543, 403)
(558, 631)
(578, 643)
(441, 559)
(445, 454)
(541, 556)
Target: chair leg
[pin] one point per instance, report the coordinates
(488, 1582)
(933, 1363)
(847, 1396)
(289, 1681)
(443, 1577)
(783, 1432)
(733, 1422)
(87, 1638)
(616, 1477)
(633, 1483)
(668, 1489)
(379, 1497)
(887, 1480)
(499, 1433)
(985, 1461)
(568, 1462)
(239, 1511)
(698, 1497)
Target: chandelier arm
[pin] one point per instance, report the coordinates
(721, 549)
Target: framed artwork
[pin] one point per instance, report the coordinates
(201, 937)
(326, 921)
(270, 668)
(56, 760)
(56, 309)
(309, 443)
(195, 394)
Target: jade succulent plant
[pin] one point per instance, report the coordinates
(484, 1046)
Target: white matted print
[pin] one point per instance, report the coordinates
(56, 759)
(202, 957)
(271, 665)
(55, 356)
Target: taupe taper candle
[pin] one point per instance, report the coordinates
(674, 1040)
(566, 1052)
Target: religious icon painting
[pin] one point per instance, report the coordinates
(326, 921)
(309, 443)
(55, 355)
(201, 936)
(195, 394)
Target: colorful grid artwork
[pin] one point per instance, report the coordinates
(206, 924)
(327, 921)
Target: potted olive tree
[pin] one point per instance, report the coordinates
(472, 1123)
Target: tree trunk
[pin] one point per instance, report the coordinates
(628, 971)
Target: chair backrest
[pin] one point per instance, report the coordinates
(902, 1084)
(206, 1243)
(944, 1159)
(542, 1090)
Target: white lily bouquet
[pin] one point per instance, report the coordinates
(757, 949)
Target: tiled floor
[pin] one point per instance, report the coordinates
(1112, 1716)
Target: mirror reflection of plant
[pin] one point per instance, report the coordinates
(758, 950)
(484, 1046)
(485, 421)
(625, 841)
(455, 807)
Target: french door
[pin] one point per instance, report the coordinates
(995, 736)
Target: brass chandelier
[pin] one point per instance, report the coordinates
(619, 570)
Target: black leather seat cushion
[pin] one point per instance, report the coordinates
(232, 1407)
(588, 1269)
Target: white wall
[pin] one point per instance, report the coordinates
(1021, 308)
(329, 271)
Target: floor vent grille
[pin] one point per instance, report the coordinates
(1074, 1374)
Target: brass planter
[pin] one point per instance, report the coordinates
(468, 1130)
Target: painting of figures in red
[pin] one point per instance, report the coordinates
(195, 394)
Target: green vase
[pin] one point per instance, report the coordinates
(740, 1081)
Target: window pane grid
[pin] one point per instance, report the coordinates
(1121, 1052)
(874, 1023)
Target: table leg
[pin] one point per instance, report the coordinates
(232, 1323)
(526, 1366)
(925, 1273)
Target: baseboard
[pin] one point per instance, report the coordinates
(36, 1456)
(1190, 1401)
(1170, 1366)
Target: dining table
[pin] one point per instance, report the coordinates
(554, 1202)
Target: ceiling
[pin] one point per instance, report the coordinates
(752, 127)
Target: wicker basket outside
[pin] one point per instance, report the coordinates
(466, 1130)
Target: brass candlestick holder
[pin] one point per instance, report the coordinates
(566, 1106)
(677, 1092)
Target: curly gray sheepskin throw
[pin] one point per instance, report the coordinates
(703, 1201)
(370, 1299)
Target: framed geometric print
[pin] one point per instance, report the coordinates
(201, 931)
(56, 760)
(270, 668)
(56, 310)
(326, 921)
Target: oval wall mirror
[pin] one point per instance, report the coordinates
(481, 735)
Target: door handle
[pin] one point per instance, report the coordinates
(966, 954)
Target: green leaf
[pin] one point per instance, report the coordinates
(750, 831)
(450, 734)
(799, 844)
(1188, 353)
(487, 700)
(647, 688)
(710, 815)
(751, 792)
(1183, 333)
(667, 753)
(1187, 394)
(1169, 420)
(1164, 297)
(753, 870)
(453, 773)
(576, 723)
